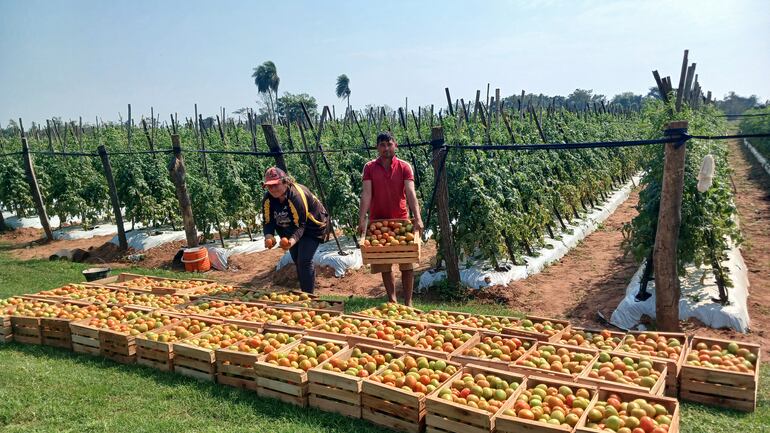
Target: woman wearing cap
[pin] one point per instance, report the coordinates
(299, 218)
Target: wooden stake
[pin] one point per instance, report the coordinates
(682, 78)
(274, 145)
(177, 170)
(34, 188)
(667, 289)
(122, 241)
(442, 209)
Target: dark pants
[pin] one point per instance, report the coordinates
(302, 253)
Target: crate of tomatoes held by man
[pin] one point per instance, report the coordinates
(390, 241)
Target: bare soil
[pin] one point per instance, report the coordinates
(592, 278)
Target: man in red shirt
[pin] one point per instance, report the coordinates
(388, 186)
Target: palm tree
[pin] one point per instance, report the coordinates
(343, 88)
(266, 78)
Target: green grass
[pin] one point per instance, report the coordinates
(44, 389)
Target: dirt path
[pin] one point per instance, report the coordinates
(591, 278)
(752, 186)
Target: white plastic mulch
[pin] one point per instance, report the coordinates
(762, 160)
(695, 298)
(482, 274)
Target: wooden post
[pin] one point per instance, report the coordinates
(128, 126)
(123, 243)
(274, 145)
(177, 170)
(442, 209)
(667, 232)
(29, 169)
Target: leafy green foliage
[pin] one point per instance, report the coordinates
(709, 218)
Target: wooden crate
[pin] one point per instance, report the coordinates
(512, 424)
(466, 322)
(26, 330)
(674, 366)
(391, 254)
(728, 389)
(395, 408)
(553, 374)
(671, 404)
(194, 361)
(445, 416)
(372, 313)
(6, 330)
(542, 336)
(197, 362)
(157, 354)
(85, 338)
(236, 368)
(287, 384)
(117, 346)
(120, 281)
(277, 303)
(315, 304)
(458, 356)
(658, 365)
(362, 339)
(573, 330)
(56, 332)
(434, 352)
(336, 392)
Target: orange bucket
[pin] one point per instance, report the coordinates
(196, 259)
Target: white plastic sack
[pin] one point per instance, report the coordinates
(218, 257)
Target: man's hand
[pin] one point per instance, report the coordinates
(269, 241)
(418, 227)
(361, 226)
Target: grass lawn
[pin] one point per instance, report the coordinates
(44, 389)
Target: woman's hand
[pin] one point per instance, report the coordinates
(287, 243)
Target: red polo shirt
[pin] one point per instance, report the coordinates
(388, 188)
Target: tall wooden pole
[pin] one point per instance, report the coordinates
(667, 290)
(275, 147)
(37, 197)
(122, 241)
(442, 209)
(177, 170)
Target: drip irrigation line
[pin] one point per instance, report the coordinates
(744, 115)
(47, 153)
(567, 146)
(727, 137)
(487, 147)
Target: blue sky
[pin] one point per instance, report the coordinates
(89, 58)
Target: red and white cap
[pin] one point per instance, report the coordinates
(273, 176)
